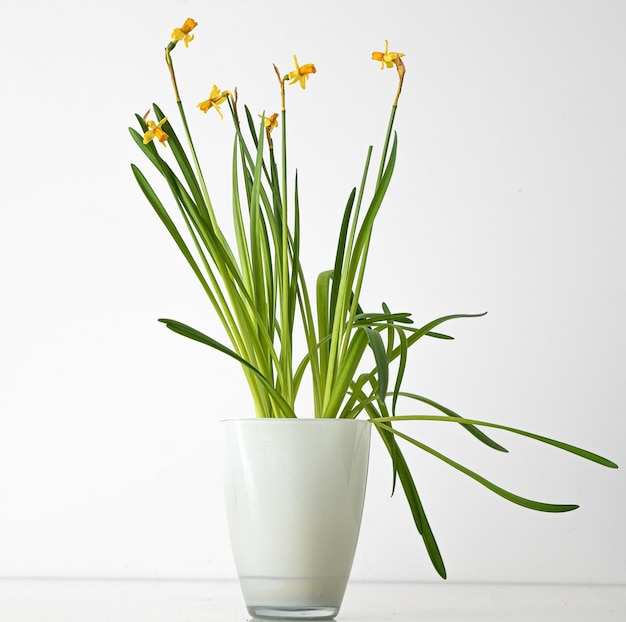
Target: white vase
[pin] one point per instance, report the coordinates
(294, 491)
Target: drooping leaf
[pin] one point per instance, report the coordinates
(583, 453)
(509, 496)
(196, 335)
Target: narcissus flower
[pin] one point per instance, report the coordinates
(300, 74)
(270, 122)
(216, 98)
(386, 58)
(182, 33)
(155, 131)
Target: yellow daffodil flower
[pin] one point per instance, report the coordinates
(182, 33)
(216, 98)
(155, 131)
(386, 58)
(300, 74)
(270, 122)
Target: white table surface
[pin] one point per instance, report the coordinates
(34, 600)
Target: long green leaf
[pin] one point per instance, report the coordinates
(183, 162)
(415, 335)
(404, 348)
(345, 373)
(322, 300)
(196, 335)
(339, 257)
(412, 496)
(583, 453)
(509, 496)
(380, 356)
(479, 434)
(154, 200)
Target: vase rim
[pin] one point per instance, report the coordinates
(290, 420)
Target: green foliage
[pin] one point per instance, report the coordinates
(256, 286)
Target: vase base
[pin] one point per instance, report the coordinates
(293, 613)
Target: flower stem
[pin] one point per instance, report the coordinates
(183, 116)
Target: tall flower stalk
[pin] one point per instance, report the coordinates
(257, 288)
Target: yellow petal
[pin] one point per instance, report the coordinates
(160, 135)
(155, 132)
(177, 34)
(205, 105)
(189, 25)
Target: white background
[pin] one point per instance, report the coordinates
(509, 196)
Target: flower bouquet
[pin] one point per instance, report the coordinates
(354, 358)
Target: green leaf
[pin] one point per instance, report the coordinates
(437, 335)
(583, 453)
(509, 496)
(376, 318)
(382, 365)
(479, 434)
(183, 162)
(153, 199)
(404, 348)
(412, 496)
(196, 335)
(401, 350)
(339, 257)
(346, 372)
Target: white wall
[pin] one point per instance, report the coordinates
(509, 196)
